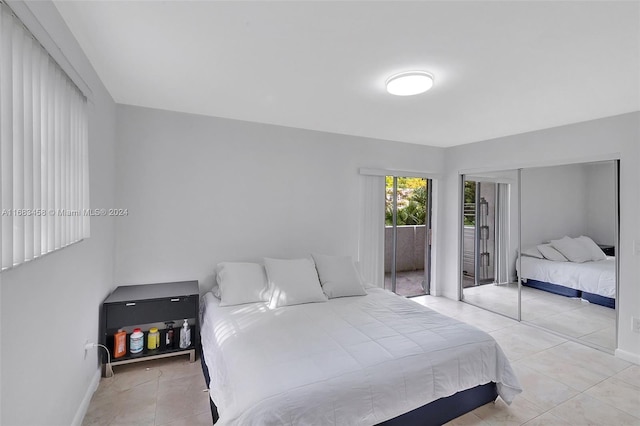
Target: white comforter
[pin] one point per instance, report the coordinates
(350, 361)
(597, 277)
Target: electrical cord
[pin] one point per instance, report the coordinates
(109, 372)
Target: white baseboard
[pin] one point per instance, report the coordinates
(628, 356)
(84, 405)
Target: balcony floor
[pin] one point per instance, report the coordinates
(408, 283)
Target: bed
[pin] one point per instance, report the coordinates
(373, 358)
(594, 281)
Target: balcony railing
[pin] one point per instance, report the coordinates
(410, 261)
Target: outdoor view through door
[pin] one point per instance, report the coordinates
(407, 235)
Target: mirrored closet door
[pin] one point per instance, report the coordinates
(564, 220)
(489, 241)
(569, 238)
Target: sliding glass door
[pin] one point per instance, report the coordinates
(407, 237)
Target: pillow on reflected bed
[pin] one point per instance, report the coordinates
(595, 251)
(550, 253)
(293, 282)
(573, 250)
(338, 276)
(241, 283)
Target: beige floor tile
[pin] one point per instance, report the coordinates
(181, 397)
(547, 419)
(605, 338)
(575, 365)
(519, 412)
(588, 411)
(618, 393)
(541, 390)
(521, 340)
(468, 419)
(202, 419)
(571, 375)
(630, 375)
(486, 321)
(136, 405)
(572, 323)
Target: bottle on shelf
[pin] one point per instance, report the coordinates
(120, 344)
(168, 341)
(136, 341)
(153, 339)
(185, 335)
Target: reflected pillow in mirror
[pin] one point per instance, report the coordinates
(571, 249)
(593, 249)
(550, 253)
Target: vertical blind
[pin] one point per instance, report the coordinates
(44, 187)
(371, 232)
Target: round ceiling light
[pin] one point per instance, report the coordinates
(409, 83)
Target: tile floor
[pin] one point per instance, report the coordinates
(565, 383)
(572, 317)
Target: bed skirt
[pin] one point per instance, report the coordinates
(570, 292)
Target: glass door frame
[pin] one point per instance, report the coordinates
(426, 281)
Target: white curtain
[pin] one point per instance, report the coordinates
(44, 187)
(371, 232)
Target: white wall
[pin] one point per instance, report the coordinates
(49, 307)
(589, 141)
(202, 190)
(574, 200)
(601, 198)
(554, 202)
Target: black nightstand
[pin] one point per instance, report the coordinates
(608, 249)
(146, 305)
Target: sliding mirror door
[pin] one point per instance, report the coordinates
(489, 241)
(569, 240)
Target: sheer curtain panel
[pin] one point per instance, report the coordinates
(44, 187)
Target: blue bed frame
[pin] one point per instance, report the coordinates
(435, 413)
(570, 292)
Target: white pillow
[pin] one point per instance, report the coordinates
(338, 276)
(595, 251)
(532, 252)
(241, 283)
(571, 249)
(550, 253)
(292, 282)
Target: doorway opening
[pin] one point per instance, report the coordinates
(407, 236)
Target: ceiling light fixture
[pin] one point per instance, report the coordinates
(409, 83)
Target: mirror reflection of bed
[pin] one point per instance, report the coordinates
(571, 291)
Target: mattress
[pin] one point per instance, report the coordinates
(597, 277)
(353, 360)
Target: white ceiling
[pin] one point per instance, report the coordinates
(500, 68)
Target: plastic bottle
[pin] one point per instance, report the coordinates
(120, 344)
(168, 342)
(153, 339)
(136, 341)
(185, 335)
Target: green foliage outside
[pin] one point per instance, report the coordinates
(469, 200)
(412, 201)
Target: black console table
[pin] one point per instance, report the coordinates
(143, 306)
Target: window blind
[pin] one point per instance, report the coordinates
(44, 187)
